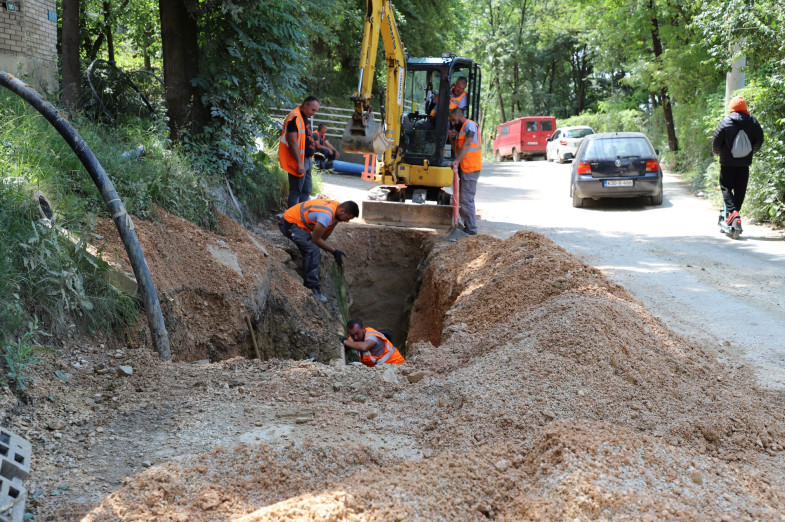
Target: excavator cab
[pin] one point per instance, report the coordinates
(426, 102)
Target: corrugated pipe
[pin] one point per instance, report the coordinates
(113, 204)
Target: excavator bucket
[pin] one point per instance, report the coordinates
(365, 136)
(407, 214)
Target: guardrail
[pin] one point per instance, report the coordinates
(336, 119)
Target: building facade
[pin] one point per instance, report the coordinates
(28, 41)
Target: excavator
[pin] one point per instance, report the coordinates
(412, 136)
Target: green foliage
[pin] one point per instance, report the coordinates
(50, 275)
(766, 191)
(160, 176)
(19, 355)
(263, 187)
(625, 120)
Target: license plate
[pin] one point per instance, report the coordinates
(618, 182)
(532, 143)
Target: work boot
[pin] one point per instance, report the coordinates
(733, 215)
(319, 295)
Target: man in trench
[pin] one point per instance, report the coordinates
(371, 345)
(309, 224)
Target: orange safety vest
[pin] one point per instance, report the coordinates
(319, 139)
(286, 157)
(298, 214)
(455, 101)
(472, 161)
(391, 354)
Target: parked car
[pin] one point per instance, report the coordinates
(616, 165)
(564, 143)
(523, 137)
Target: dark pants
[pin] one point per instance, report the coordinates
(733, 182)
(310, 251)
(468, 189)
(328, 158)
(300, 187)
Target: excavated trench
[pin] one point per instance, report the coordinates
(383, 270)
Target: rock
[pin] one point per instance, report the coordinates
(371, 415)
(502, 465)
(103, 369)
(415, 377)
(696, 477)
(124, 371)
(390, 376)
(70, 408)
(55, 425)
(147, 464)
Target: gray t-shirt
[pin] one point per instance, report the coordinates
(320, 216)
(377, 350)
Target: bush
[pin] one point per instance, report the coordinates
(627, 120)
(49, 275)
(19, 355)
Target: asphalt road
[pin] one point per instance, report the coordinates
(729, 295)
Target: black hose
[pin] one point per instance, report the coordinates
(113, 204)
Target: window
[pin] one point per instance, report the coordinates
(546, 125)
(577, 133)
(505, 130)
(556, 135)
(531, 126)
(614, 148)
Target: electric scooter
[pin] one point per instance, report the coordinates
(733, 230)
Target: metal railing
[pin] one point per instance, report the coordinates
(336, 119)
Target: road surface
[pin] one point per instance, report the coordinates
(729, 295)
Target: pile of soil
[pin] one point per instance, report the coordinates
(534, 389)
(208, 282)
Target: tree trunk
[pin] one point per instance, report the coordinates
(108, 30)
(179, 41)
(670, 128)
(72, 86)
(499, 98)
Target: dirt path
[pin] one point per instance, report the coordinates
(727, 294)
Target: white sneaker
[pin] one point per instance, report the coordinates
(318, 295)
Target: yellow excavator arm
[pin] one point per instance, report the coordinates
(363, 135)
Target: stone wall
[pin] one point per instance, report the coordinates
(28, 41)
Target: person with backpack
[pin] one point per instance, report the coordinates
(737, 137)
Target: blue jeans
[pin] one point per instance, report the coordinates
(300, 187)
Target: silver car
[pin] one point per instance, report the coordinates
(565, 142)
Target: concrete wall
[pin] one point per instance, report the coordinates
(28, 42)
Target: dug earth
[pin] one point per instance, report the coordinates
(534, 389)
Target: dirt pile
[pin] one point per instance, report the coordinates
(209, 282)
(534, 389)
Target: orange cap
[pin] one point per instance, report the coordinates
(737, 104)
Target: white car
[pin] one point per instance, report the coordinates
(565, 142)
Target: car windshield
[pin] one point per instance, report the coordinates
(615, 148)
(577, 133)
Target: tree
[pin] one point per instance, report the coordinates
(70, 54)
(179, 35)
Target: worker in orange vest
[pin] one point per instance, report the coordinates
(309, 225)
(371, 345)
(468, 160)
(324, 147)
(459, 98)
(296, 148)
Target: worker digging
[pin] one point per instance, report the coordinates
(309, 225)
(372, 346)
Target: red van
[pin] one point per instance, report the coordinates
(523, 137)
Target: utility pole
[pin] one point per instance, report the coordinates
(735, 79)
